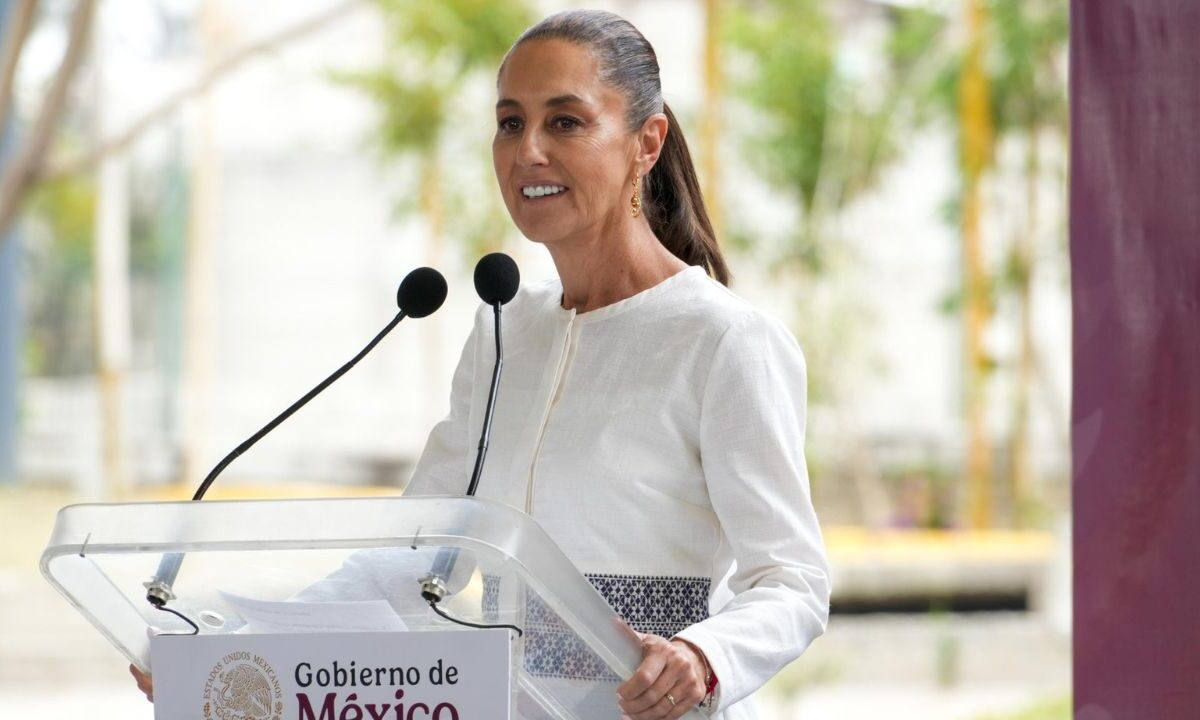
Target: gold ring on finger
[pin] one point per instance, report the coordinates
(672, 699)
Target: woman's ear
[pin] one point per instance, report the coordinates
(650, 141)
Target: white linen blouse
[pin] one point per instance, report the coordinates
(659, 441)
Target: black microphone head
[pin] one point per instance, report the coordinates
(421, 292)
(496, 278)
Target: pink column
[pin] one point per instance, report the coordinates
(1135, 259)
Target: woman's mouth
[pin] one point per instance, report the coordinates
(542, 192)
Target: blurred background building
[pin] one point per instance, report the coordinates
(207, 207)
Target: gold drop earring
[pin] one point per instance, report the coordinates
(635, 202)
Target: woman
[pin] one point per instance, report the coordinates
(650, 420)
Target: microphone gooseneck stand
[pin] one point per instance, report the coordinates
(486, 436)
(496, 280)
(421, 293)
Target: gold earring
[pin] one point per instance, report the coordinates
(635, 202)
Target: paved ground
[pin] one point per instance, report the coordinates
(925, 667)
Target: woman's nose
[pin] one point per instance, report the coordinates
(530, 151)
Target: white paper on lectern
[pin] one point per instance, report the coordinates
(270, 616)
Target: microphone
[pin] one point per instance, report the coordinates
(421, 293)
(496, 280)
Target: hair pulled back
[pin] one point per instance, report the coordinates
(671, 196)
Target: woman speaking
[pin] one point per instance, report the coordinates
(650, 420)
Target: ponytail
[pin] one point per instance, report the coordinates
(674, 206)
(672, 200)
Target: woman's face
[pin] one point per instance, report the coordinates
(564, 157)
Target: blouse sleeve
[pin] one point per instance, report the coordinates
(443, 468)
(752, 450)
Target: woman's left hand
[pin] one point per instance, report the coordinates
(671, 670)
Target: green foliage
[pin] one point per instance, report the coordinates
(58, 239)
(475, 33)
(411, 112)
(68, 209)
(59, 255)
(1027, 87)
(1028, 39)
(435, 52)
(824, 120)
(1027, 93)
(830, 129)
(791, 48)
(433, 49)
(1026, 90)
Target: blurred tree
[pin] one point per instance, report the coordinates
(1029, 99)
(18, 175)
(711, 122)
(59, 245)
(975, 153)
(435, 51)
(31, 162)
(828, 119)
(1010, 88)
(33, 170)
(831, 128)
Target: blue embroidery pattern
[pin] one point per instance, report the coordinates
(661, 605)
(658, 604)
(491, 598)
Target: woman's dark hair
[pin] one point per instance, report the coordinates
(671, 195)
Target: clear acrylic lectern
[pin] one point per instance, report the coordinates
(573, 652)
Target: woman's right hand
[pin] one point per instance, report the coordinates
(144, 682)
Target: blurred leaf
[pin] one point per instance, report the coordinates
(67, 206)
(476, 32)
(411, 112)
(791, 48)
(1030, 37)
(59, 332)
(829, 127)
(1015, 273)
(951, 303)
(435, 51)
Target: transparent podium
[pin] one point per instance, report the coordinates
(572, 652)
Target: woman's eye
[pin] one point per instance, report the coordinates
(509, 125)
(565, 123)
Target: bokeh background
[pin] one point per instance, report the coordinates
(206, 207)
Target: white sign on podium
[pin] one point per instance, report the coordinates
(430, 675)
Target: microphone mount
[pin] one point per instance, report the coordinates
(497, 280)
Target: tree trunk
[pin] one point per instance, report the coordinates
(975, 122)
(36, 168)
(18, 175)
(16, 24)
(710, 122)
(1021, 475)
